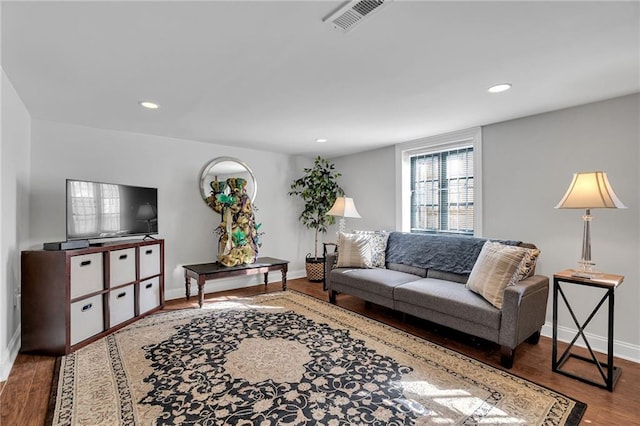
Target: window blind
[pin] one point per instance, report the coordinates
(442, 191)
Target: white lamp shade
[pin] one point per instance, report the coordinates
(590, 190)
(344, 207)
(146, 212)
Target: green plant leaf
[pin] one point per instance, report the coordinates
(318, 189)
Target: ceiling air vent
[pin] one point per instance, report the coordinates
(352, 13)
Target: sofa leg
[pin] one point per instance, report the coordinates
(534, 338)
(506, 356)
(332, 296)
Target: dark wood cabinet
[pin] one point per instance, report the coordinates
(72, 297)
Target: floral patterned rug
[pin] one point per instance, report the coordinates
(286, 358)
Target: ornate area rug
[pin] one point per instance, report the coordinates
(286, 358)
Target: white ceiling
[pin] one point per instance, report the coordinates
(272, 76)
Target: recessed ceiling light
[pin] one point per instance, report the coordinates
(148, 104)
(321, 140)
(499, 88)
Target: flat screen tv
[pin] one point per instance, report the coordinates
(108, 210)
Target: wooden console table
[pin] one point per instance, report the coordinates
(210, 271)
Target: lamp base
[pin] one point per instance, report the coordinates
(585, 265)
(341, 227)
(585, 270)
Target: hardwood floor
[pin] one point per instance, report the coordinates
(24, 396)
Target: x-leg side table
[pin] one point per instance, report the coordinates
(609, 282)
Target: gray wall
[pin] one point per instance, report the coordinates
(371, 173)
(528, 164)
(61, 151)
(14, 215)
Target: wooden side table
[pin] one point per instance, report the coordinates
(609, 282)
(210, 271)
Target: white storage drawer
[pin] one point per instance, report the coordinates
(149, 294)
(149, 260)
(86, 274)
(121, 305)
(86, 318)
(122, 266)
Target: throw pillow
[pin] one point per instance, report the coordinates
(493, 270)
(354, 251)
(527, 265)
(378, 245)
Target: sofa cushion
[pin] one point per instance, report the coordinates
(421, 272)
(354, 251)
(376, 280)
(378, 246)
(448, 276)
(449, 298)
(493, 271)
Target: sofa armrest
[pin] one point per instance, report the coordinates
(330, 260)
(524, 310)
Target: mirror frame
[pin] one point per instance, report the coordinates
(207, 168)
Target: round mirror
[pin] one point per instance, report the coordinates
(223, 168)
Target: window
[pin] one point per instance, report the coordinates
(83, 207)
(440, 184)
(442, 191)
(110, 214)
(95, 206)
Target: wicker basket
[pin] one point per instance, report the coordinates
(315, 268)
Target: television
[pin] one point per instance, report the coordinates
(109, 210)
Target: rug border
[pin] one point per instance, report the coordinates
(53, 396)
(573, 418)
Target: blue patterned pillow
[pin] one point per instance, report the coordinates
(378, 245)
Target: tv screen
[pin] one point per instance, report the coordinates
(109, 210)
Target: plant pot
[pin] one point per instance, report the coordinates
(315, 268)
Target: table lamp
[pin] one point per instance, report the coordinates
(589, 190)
(147, 213)
(343, 207)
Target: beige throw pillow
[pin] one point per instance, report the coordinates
(495, 267)
(378, 245)
(354, 251)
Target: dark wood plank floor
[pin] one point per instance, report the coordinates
(25, 394)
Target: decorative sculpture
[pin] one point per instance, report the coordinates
(238, 230)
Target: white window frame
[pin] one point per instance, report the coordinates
(432, 144)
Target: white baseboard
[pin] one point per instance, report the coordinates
(9, 354)
(598, 343)
(231, 283)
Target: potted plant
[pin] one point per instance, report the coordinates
(318, 188)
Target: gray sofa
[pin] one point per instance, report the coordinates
(425, 276)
